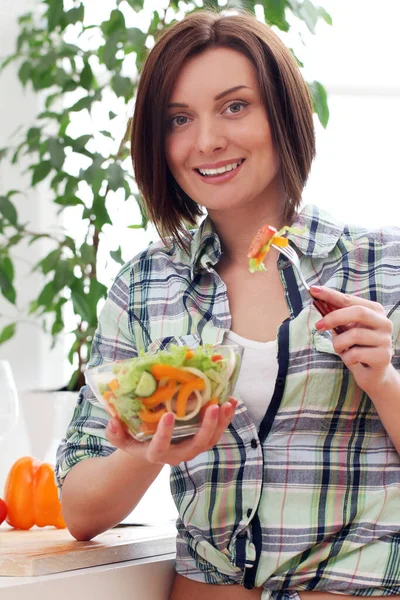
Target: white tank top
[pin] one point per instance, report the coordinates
(256, 381)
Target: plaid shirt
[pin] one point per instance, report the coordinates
(311, 499)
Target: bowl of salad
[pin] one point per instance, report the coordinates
(181, 380)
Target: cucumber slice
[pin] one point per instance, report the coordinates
(147, 385)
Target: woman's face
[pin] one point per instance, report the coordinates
(218, 145)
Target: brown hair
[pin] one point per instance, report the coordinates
(283, 90)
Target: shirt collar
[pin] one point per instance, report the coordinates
(205, 247)
(320, 233)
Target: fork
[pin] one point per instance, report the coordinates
(323, 307)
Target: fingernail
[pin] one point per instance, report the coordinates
(112, 427)
(316, 289)
(320, 325)
(169, 419)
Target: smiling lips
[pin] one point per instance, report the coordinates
(219, 172)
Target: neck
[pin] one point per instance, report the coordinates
(237, 229)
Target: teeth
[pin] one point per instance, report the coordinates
(221, 169)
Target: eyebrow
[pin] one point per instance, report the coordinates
(217, 97)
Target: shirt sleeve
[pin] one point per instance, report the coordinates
(113, 340)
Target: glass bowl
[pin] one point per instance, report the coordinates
(181, 380)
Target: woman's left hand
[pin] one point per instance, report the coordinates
(366, 345)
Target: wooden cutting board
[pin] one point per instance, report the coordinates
(48, 550)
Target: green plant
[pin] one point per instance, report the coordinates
(78, 65)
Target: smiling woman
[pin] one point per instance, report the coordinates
(292, 487)
(206, 81)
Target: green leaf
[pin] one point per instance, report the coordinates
(8, 210)
(136, 37)
(7, 268)
(274, 12)
(50, 261)
(122, 86)
(57, 153)
(116, 23)
(6, 280)
(320, 102)
(79, 143)
(117, 256)
(57, 327)
(7, 333)
(46, 296)
(87, 253)
(33, 137)
(137, 5)
(3, 153)
(97, 291)
(87, 77)
(54, 13)
(100, 212)
(325, 15)
(25, 72)
(112, 115)
(63, 274)
(68, 200)
(107, 53)
(115, 176)
(40, 171)
(75, 15)
(83, 103)
(81, 304)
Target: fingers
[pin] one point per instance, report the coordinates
(356, 314)
(118, 435)
(340, 300)
(216, 420)
(160, 450)
(359, 336)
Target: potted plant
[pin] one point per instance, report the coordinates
(81, 66)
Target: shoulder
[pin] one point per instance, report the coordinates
(380, 237)
(157, 258)
(322, 235)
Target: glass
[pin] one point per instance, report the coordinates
(117, 388)
(9, 405)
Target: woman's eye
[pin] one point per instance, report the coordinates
(178, 121)
(236, 107)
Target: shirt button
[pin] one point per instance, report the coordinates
(254, 443)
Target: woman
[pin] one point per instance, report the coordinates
(292, 488)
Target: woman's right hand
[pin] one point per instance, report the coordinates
(160, 450)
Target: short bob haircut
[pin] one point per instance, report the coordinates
(283, 90)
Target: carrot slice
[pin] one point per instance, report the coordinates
(149, 416)
(281, 242)
(168, 372)
(107, 395)
(162, 394)
(204, 408)
(184, 393)
(148, 427)
(189, 354)
(113, 384)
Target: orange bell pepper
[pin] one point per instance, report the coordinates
(31, 495)
(184, 393)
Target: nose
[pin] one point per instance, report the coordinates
(210, 137)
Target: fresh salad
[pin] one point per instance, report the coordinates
(261, 244)
(180, 380)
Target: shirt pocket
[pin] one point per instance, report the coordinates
(322, 342)
(164, 343)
